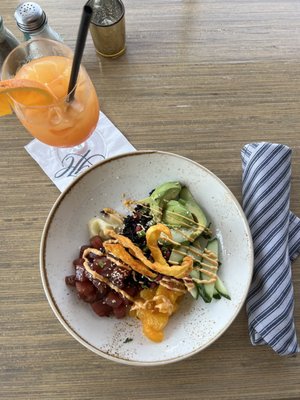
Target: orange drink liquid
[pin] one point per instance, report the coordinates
(59, 124)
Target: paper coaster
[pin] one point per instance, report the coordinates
(64, 169)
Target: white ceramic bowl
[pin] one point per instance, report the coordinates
(196, 325)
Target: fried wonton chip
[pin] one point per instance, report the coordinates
(118, 251)
(160, 264)
(152, 236)
(178, 271)
(135, 250)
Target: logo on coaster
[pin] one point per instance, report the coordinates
(74, 164)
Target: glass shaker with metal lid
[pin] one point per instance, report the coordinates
(32, 20)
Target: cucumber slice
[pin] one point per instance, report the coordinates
(195, 292)
(182, 235)
(179, 252)
(195, 253)
(208, 288)
(212, 246)
(221, 288)
(200, 242)
(176, 256)
(200, 288)
(216, 294)
(186, 249)
(202, 293)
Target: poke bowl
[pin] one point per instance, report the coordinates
(146, 258)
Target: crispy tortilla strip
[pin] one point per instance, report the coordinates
(152, 236)
(160, 265)
(118, 251)
(135, 250)
(177, 271)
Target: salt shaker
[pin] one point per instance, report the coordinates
(7, 42)
(32, 21)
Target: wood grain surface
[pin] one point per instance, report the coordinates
(199, 78)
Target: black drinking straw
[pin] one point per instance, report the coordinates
(80, 44)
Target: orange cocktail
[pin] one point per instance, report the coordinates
(55, 122)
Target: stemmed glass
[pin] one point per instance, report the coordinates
(63, 123)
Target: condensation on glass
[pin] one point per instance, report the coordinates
(7, 42)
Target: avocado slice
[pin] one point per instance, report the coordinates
(176, 214)
(160, 196)
(167, 191)
(186, 197)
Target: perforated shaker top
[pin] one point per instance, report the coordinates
(30, 16)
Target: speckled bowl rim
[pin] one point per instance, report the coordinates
(47, 288)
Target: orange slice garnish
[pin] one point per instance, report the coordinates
(23, 91)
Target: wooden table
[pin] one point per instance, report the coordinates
(201, 79)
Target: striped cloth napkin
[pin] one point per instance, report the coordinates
(276, 239)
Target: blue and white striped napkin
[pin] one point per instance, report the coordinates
(276, 239)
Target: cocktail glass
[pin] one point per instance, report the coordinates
(65, 124)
